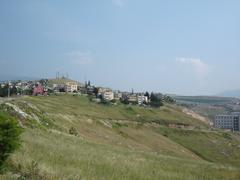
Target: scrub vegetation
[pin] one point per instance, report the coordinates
(70, 137)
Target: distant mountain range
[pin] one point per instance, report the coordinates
(230, 93)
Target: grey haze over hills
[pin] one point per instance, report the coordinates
(230, 93)
(7, 77)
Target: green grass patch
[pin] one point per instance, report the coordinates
(118, 142)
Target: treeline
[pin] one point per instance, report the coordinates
(6, 90)
(157, 99)
(12, 90)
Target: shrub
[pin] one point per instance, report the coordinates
(113, 101)
(105, 102)
(9, 137)
(73, 131)
(32, 171)
(124, 101)
(156, 100)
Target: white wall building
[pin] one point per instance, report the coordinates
(108, 95)
(141, 99)
(71, 87)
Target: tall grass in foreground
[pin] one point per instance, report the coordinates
(60, 156)
(72, 138)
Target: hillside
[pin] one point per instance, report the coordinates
(116, 142)
(203, 99)
(209, 106)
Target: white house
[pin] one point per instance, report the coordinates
(71, 87)
(141, 99)
(108, 95)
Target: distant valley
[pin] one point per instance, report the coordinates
(231, 93)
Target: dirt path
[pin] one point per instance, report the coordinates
(196, 116)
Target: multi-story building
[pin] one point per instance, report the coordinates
(101, 90)
(230, 122)
(117, 95)
(142, 99)
(108, 95)
(71, 87)
(132, 98)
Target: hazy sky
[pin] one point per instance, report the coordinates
(172, 46)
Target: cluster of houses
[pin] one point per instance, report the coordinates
(99, 94)
(23, 87)
(43, 87)
(132, 98)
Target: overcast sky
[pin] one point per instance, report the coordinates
(184, 47)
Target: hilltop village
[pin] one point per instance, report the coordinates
(103, 95)
(64, 85)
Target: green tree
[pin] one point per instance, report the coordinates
(147, 95)
(1, 91)
(156, 100)
(13, 91)
(124, 100)
(95, 91)
(89, 83)
(169, 99)
(28, 91)
(4, 91)
(9, 137)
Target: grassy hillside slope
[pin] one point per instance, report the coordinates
(209, 106)
(117, 142)
(204, 99)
